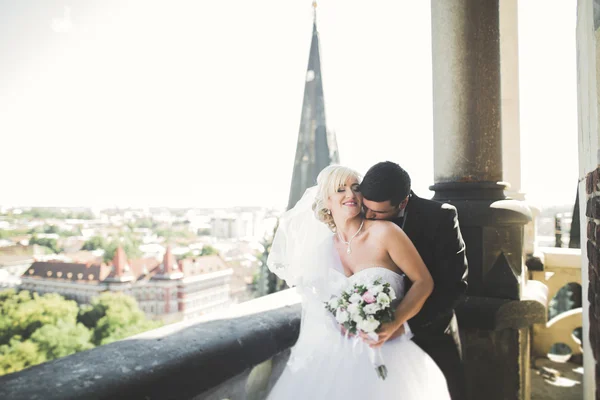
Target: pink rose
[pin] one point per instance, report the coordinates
(368, 297)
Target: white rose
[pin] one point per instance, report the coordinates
(368, 325)
(357, 318)
(392, 293)
(383, 299)
(376, 289)
(372, 308)
(355, 298)
(333, 303)
(341, 316)
(353, 309)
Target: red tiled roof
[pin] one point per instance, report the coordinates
(141, 268)
(203, 265)
(68, 271)
(144, 267)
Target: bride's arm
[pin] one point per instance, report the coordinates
(404, 254)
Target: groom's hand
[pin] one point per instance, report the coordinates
(386, 332)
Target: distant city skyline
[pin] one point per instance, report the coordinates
(197, 104)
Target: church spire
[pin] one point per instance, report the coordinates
(316, 148)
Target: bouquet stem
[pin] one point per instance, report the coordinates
(377, 361)
(381, 372)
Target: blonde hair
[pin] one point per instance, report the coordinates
(330, 179)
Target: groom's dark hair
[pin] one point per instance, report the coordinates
(386, 181)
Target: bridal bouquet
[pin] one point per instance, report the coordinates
(362, 308)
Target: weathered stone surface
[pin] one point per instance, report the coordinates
(497, 363)
(593, 253)
(179, 361)
(488, 313)
(252, 384)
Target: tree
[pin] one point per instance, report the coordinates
(94, 243)
(268, 282)
(203, 232)
(51, 229)
(35, 329)
(24, 313)
(10, 301)
(208, 250)
(187, 255)
(18, 355)
(46, 242)
(62, 339)
(169, 234)
(113, 316)
(130, 247)
(145, 223)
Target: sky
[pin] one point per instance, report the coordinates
(197, 103)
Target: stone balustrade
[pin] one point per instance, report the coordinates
(560, 267)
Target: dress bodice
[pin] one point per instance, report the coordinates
(340, 281)
(370, 274)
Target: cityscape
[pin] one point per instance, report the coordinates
(176, 264)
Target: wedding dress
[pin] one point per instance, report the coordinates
(337, 367)
(325, 364)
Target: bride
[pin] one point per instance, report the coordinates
(325, 363)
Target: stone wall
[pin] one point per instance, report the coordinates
(593, 252)
(588, 71)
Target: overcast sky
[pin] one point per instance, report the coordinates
(197, 103)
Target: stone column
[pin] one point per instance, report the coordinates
(466, 91)
(468, 170)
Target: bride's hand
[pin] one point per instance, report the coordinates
(385, 332)
(344, 331)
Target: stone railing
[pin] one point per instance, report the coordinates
(560, 267)
(237, 354)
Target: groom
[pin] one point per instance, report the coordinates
(434, 230)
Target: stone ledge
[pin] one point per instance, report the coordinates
(496, 314)
(179, 361)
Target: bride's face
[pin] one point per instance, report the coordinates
(346, 202)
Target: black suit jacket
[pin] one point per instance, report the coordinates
(434, 230)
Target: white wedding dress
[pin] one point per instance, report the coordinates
(324, 364)
(327, 365)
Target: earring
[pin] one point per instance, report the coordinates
(328, 212)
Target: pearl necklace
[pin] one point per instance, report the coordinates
(349, 250)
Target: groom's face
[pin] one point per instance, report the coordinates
(380, 210)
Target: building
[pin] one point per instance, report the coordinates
(238, 224)
(166, 290)
(316, 147)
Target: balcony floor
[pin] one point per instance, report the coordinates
(556, 381)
